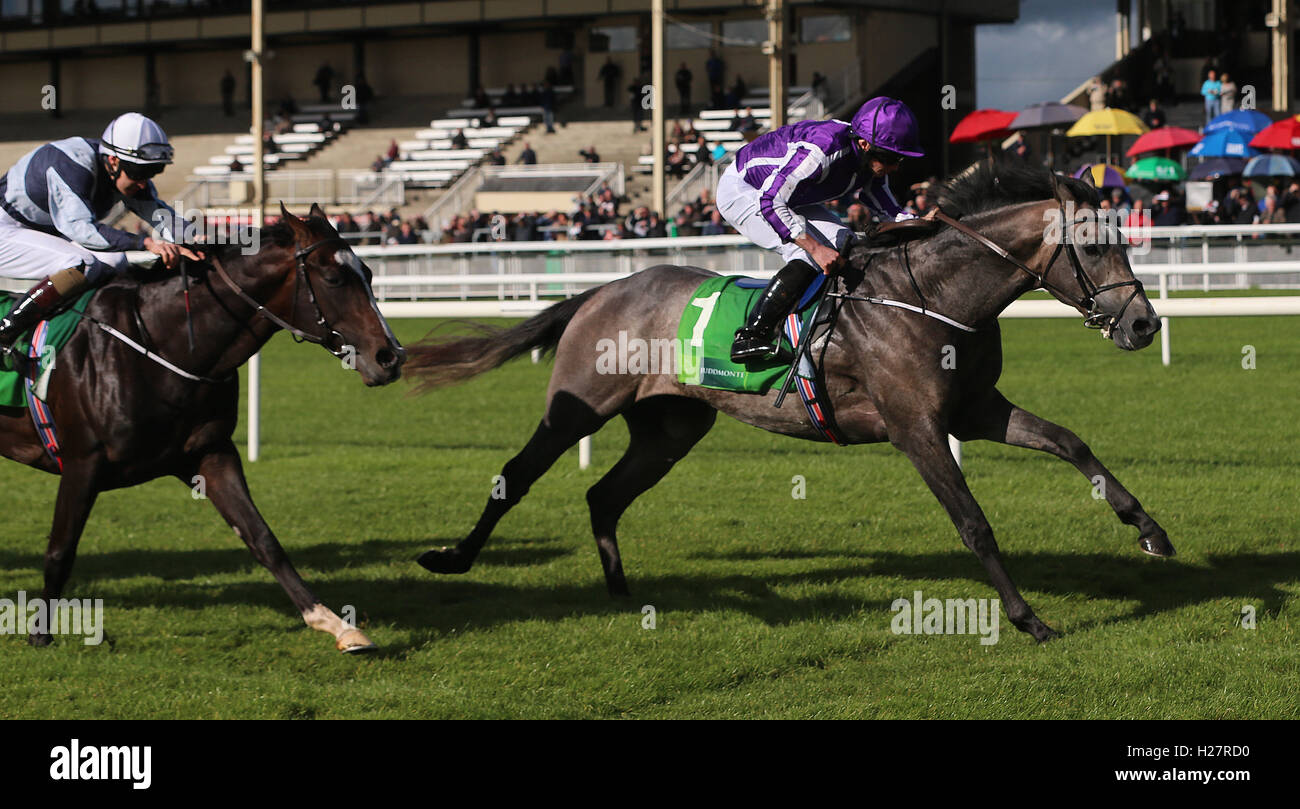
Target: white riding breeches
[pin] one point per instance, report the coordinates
(738, 202)
(28, 253)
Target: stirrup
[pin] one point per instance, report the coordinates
(748, 347)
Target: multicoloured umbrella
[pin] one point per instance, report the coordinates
(1166, 137)
(1101, 175)
(1050, 114)
(1217, 167)
(1285, 134)
(1224, 143)
(1272, 165)
(982, 125)
(1246, 121)
(1160, 169)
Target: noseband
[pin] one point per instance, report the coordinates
(332, 341)
(1087, 299)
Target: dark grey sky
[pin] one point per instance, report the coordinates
(1049, 51)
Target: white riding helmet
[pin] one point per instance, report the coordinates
(136, 139)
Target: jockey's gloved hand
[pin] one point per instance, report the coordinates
(171, 254)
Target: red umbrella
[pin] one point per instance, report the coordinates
(1285, 134)
(1166, 137)
(983, 125)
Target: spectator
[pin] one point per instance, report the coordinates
(347, 224)
(324, 81)
(459, 141)
(378, 165)
(566, 68)
(1290, 203)
(364, 95)
(496, 158)
(1118, 201)
(1153, 116)
(1137, 222)
(743, 123)
(1272, 214)
(677, 135)
(819, 86)
(715, 69)
(858, 218)
(655, 228)
(716, 226)
(1097, 95)
(533, 96)
(590, 155)
(636, 224)
(1167, 212)
(609, 75)
(528, 157)
(235, 165)
(683, 82)
(489, 118)
(1210, 89)
(677, 165)
(228, 94)
(405, 234)
(738, 91)
(509, 99)
(635, 99)
(1228, 93)
(548, 107)
(393, 151)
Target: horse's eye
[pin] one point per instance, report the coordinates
(331, 276)
(1091, 250)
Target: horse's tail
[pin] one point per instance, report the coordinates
(437, 361)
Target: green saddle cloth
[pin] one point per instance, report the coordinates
(706, 331)
(59, 331)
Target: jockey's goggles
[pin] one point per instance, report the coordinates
(888, 158)
(140, 171)
(146, 153)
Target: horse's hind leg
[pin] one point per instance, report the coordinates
(997, 419)
(663, 430)
(77, 493)
(567, 420)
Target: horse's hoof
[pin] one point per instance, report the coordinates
(444, 560)
(354, 641)
(1157, 544)
(1041, 631)
(40, 640)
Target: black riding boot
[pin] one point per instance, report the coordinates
(760, 337)
(39, 302)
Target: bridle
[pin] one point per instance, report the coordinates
(1087, 299)
(332, 341)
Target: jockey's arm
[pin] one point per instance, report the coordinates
(73, 218)
(165, 223)
(879, 199)
(774, 206)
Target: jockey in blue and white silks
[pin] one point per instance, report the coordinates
(774, 193)
(51, 202)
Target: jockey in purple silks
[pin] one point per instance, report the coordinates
(773, 194)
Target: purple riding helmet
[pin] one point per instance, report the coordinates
(887, 124)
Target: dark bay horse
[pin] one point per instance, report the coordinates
(884, 366)
(124, 419)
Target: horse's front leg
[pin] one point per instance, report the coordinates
(997, 419)
(223, 478)
(927, 447)
(78, 488)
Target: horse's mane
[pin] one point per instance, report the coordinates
(997, 183)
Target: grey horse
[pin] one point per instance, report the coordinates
(883, 364)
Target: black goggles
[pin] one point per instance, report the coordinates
(888, 158)
(138, 171)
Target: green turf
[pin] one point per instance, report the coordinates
(767, 606)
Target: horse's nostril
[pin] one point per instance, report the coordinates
(385, 358)
(1142, 327)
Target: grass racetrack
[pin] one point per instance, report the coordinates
(766, 605)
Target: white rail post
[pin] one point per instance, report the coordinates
(955, 446)
(584, 452)
(1164, 322)
(255, 406)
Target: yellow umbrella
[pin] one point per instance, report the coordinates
(1107, 122)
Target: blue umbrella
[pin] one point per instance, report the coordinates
(1224, 143)
(1245, 121)
(1217, 167)
(1272, 165)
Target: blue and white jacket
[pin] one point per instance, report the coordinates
(61, 189)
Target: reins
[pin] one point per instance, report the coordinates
(332, 341)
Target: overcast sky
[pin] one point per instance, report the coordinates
(1049, 51)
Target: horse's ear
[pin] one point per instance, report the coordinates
(1058, 191)
(300, 230)
(316, 210)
